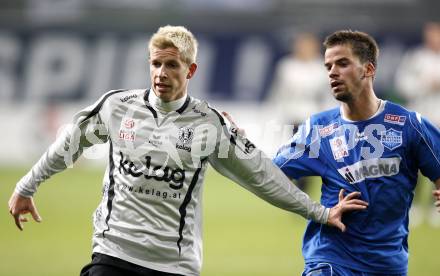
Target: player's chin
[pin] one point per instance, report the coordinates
(163, 95)
(164, 92)
(341, 96)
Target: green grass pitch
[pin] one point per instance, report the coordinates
(244, 236)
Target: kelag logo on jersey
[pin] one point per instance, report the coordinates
(371, 168)
(391, 139)
(174, 176)
(185, 135)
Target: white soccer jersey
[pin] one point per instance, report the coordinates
(151, 211)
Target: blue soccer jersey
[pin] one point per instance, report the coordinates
(380, 157)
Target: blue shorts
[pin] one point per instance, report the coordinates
(327, 269)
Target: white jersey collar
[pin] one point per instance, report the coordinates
(165, 107)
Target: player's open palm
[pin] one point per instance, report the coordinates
(345, 204)
(20, 205)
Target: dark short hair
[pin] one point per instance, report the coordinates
(363, 45)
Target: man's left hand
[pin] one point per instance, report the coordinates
(345, 204)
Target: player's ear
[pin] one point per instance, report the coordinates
(192, 70)
(370, 70)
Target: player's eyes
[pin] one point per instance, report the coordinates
(343, 63)
(173, 65)
(155, 64)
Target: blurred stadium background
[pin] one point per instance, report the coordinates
(57, 56)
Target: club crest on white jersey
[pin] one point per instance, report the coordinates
(185, 136)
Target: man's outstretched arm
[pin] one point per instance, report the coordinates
(85, 130)
(252, 169)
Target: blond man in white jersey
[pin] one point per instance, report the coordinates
(160, 142)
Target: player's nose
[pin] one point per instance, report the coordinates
(161, 72)
(333, 72)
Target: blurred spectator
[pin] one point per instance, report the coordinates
(418, 76)
(299, 83)
(418, 82)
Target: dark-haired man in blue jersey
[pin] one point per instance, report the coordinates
(367, 145)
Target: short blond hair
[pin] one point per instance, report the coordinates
(178, 37)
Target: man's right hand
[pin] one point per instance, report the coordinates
(20, 205)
